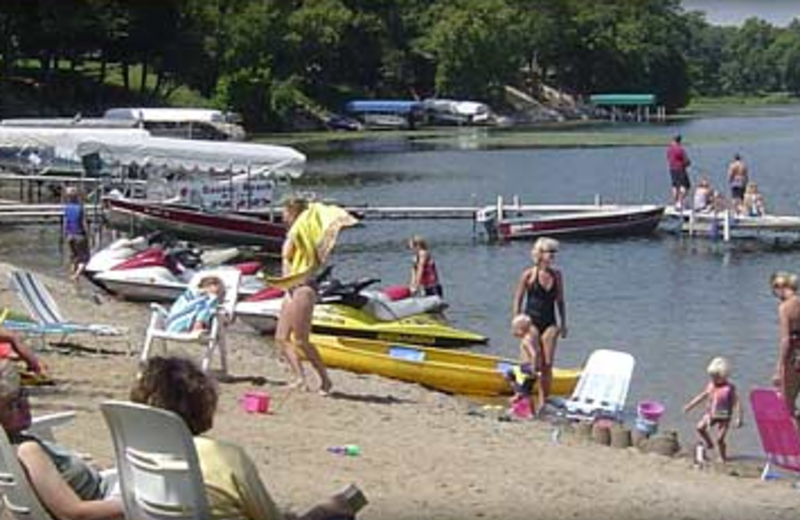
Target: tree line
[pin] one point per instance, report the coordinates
(270, 59)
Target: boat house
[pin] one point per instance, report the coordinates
(630, 107)
(387, 113)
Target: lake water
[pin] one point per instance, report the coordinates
(673, 303)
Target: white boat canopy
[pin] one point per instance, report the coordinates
(206, 156)
(167, 115)
(39, 150)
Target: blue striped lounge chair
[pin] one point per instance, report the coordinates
(47, 318)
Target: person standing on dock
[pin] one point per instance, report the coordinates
(542, 289)
(738, 179)
(76, 233)
(424, 276)
(678, 163)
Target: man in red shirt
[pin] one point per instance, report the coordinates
(678, 163)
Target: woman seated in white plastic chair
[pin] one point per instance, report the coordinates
(178, 385)
(195, 308)
(65, 484)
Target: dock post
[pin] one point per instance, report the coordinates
(691, 222)
(726, 226)
(499, 208)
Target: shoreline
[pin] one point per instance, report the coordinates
(423, 455)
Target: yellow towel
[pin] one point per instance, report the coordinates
(314, 234)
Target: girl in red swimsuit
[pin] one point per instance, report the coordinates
(424, 275)
(723, 404)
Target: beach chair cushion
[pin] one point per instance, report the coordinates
(603, 386)
(777, 429)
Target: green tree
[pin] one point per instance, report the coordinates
(750, 69)
(477, 47)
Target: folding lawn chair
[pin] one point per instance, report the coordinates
(159, 471)
(214, 338)
(777, 430)
(603, 386)
(47, 318)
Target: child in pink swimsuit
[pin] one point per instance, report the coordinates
(723, 404)
(523, 377)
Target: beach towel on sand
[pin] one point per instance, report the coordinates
(314, 234)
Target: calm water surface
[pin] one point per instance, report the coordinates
(673, 303)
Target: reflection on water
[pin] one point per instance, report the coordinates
(673, 303)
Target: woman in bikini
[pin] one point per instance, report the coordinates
(787, 370)
(294, 322)
(541, 289)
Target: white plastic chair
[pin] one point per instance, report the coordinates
(603, 386)
(159, 471)
(18, 496)
(212, 339)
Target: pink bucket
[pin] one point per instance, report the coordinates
(255, 402)
(651, 410)
(521, 409)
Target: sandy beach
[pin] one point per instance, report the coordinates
(423, 455)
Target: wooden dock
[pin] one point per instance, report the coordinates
(15, 213)
(463, 212)
(34, 214)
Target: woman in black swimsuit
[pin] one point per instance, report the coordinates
(787, 369)
(541, 289)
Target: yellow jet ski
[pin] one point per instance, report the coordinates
(352, 310)
(420, 328)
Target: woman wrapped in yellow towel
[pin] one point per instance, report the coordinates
(311, 237)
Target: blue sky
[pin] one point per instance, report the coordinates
(734, 12)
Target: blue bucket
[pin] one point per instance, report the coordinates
(646, 427)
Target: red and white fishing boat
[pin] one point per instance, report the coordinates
(597, 220)
(192, 223)
(205, 191)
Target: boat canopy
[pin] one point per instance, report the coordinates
(452, 106)
(383, 106)
(206, 156)
(39, 150)
(167, 115)
(623, 99)
(69, 122)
